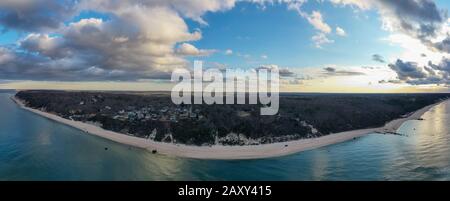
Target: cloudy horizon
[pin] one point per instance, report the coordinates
(318, 45)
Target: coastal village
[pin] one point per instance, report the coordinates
(133, 113)
(153, 115)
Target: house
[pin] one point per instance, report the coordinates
(173, 118)
(184, 115)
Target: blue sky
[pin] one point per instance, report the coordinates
(109, 41)
(285, 37)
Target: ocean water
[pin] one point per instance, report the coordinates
(34, 148)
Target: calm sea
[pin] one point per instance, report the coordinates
(34, 148)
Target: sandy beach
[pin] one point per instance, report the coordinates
(229, 152)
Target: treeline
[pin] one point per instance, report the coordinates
(300, 115)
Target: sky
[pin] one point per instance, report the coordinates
(360, 46)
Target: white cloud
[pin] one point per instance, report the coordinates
(44, 44)
(190, 9)
(187, 49)
(35, 15)
(148, 38)
(228, 52)
(139, 39)
(316, 20)
(340, 31)
(362, 4)
(195, 9)
(5, 55)
(245, 56)
(421, 19)
(413, 49)
(420, 28)
(321, 39)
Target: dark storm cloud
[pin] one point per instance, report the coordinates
(35, 15)
(21, 65)
(412, 73)
(424, 10)
(284, 72)
(423, 20)
(407, 70)
(419, 18)
(378, 58)
(390, 81)
(443, 46)
(330, 71)
(137, 41)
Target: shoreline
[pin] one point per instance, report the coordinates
(221, 152)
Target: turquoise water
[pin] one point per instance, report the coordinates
(34, 148)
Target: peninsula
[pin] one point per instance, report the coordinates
(151, 121)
